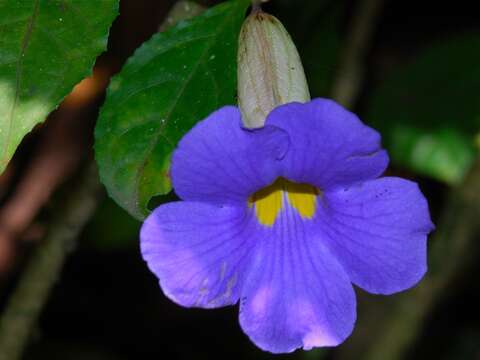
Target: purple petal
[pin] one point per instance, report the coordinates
(220, 162)
(378, 231)
(330, 146)
(198, 251)
(296, 294)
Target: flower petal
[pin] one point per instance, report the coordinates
(330, 146)
(296, 294)
(378, 231)
(198, 251)
(220, 162)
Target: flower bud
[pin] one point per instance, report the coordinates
(270, 72)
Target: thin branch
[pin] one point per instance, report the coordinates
(351, 68)
(256, 6)
(41, 273)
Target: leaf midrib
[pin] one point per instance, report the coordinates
(154, 141)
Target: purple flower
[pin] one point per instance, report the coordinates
(284, 219)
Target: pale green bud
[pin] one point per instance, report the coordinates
(270, 72)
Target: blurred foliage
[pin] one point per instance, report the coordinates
(429, 110)
(172, 81)
(46, 48)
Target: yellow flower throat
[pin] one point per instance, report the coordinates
(270, 201)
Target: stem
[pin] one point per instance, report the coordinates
(256, 6)
(41, 273)
(351, 69)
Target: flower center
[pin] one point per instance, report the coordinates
(271, 200)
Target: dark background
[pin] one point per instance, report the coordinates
(107, 305)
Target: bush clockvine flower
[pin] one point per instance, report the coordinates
(284, 219)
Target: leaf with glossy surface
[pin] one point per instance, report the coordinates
(46, 47)
(429, 111)
(174, 80)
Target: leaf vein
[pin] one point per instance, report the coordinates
(155, 138)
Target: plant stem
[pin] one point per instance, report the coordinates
(41, 273)
(351, 68)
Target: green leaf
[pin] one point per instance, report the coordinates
(429, 111)
(174, 80)
(46, 47)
